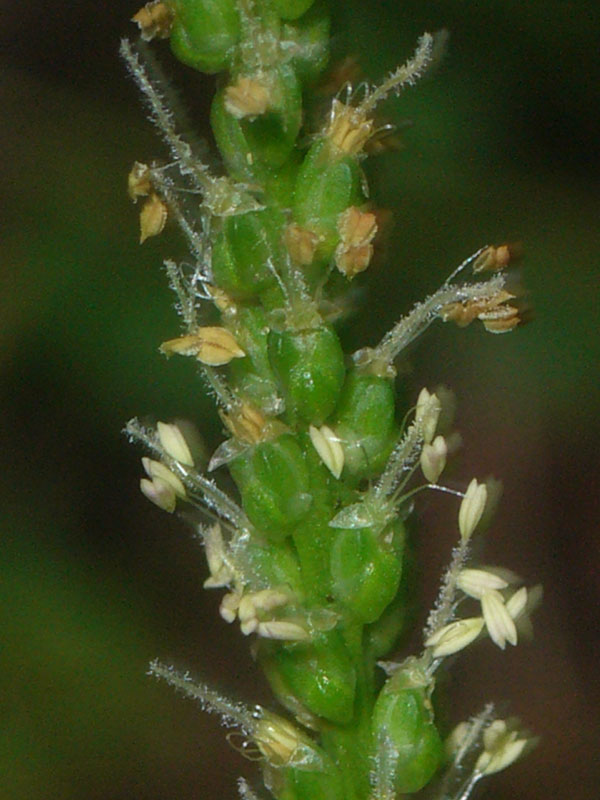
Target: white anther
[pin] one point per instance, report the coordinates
(221, 573)
(433, 459)
(502, 747)
(517, 604)
(471, 509)
(427, 414)
(475, 582)
(156, 469)
(455, 636)
(229, 606)
(160, 493)
(173, 442)
(498, 621)
(327, 445)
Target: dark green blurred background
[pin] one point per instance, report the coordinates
(94, 581)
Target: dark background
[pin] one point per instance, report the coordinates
(95, 581)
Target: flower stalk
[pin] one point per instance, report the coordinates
(311, 550)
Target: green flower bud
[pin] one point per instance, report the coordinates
(366, 570)
(328, 183)
(204, 32)
(364, 421)
(317, 674)
(273, 481)
(310, 368)
(402, 722)
(244, 248)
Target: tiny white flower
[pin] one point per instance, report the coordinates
(498, 621)
(327, 445)
(455, 636)
(173, 442)
(433, 459)
(471, 509)
(474, 582)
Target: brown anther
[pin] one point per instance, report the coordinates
(138, 181)
(153, 217)
(246, 423)
(154, 20)
(495, 258)
(357, 230)
(212, 346)
(301, 244)
(247, 97)
(349, 128)
(496, 317)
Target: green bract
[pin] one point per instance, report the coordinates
(245, 252)
(273, 481)
(328, 183)
(319, 675)
(403, 723)
(310, 368)
(364, 420)
(366, 570)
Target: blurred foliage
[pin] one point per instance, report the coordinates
(501, 144)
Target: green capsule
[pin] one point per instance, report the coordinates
(273, 481)
(310, 368)
(327, 185)
(366, 570)
(318, 675)
(243, 250)
(292, 9)
(309, 38)
(364, 421)
(204, 32)
(403, 718)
